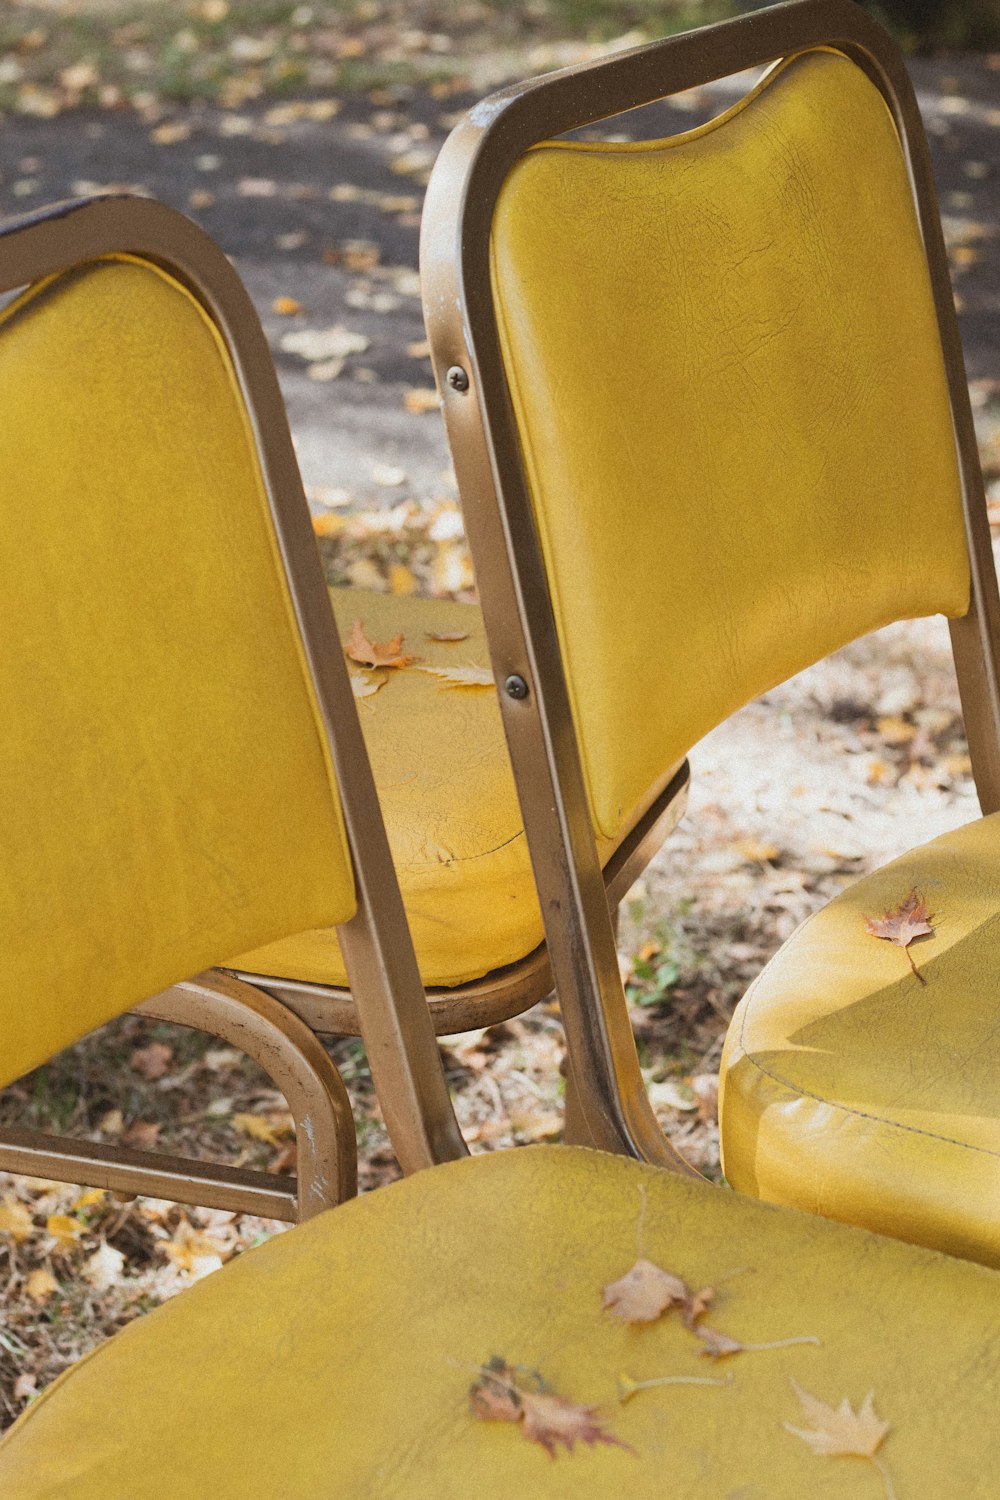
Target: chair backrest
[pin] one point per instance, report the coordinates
(732, 406)
(707, 409)
(178, 728)
(168, 798)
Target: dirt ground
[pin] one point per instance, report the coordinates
(798, 795)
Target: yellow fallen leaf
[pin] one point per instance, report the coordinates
(327, 525)
(401, 581)
(89, 1199)
(15, 1220)
(65, 1230)
(421, 399)
(41, 1285)
(286, 307)
(260, 1129)
(895, 731)
(756, 851)
(170, 134)
(462, 677)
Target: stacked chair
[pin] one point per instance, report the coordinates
(336, 1360)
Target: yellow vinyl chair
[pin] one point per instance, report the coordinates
(163, 754)
(336, 1360)
(708, 398)
(94, 357)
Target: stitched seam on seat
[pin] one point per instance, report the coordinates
(863, 1114)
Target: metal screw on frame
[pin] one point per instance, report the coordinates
(516, 687)
(457, 378)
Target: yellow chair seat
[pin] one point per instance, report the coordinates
(335, 1360)
(851, 1089)
(447, 793)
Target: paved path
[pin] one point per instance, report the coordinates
(262, 188)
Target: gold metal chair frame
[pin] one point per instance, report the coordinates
(455, 247)
(391, 1013)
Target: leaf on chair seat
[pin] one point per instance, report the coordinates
(912, 919)
(373, 653)
(840, 1429)
(462, 677)
(644, 1293)
(842, 1432)
(546, 1418)
(363, 685)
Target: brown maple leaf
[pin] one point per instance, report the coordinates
(644, 1293)
(910, 920)
(374, 654)
(546, 1418)
(842, 1432)
(551, 1420)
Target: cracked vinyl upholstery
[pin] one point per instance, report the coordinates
(851, 1089)
(156, 704)
(724, 362)
(447, 794)
(368, 1323)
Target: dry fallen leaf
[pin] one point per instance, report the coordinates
(41, 1285)
(402, 581)
(363, 686)
(902, 924)
(841, 1431)
(104, 1268)
(141, 1133)
(374, 653)
(25, 1387)
(286, 307)
(152, 1061)
(547, 1419)
(643, 1294)
(15, 1220)
(462, 677)
(268, 1130)
(323, 343)
(421, 399)
(65, 1231)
